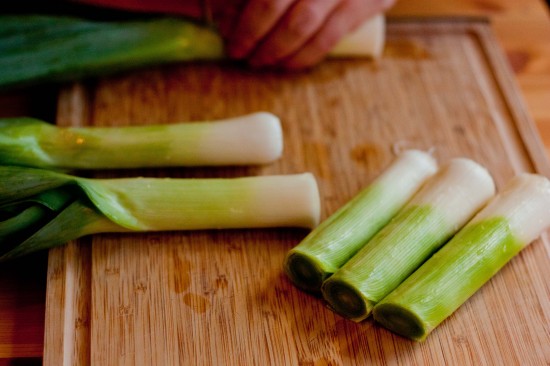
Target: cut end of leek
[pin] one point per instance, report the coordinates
(400, 321)
(305, 271)
(346, 300)
(366, 41)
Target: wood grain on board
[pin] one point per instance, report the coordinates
(219, 297)
(522, 29)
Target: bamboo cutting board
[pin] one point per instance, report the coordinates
(219, 297)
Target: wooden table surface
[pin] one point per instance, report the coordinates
(522, 27)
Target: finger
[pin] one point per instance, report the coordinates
(344, 19)
(256, 20)
(225, 14)
(297, 26)
(320, 44)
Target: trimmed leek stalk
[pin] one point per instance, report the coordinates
(252, 139)
(441, 207)
(339, 237)
(512, 220)
(64, 207)
(37, 48)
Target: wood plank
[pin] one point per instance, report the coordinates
(522, 29)
(22, 307)
(67, 339)
(219, 297)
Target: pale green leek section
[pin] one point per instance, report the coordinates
(448, 279)
(389, 257)
(251, 139)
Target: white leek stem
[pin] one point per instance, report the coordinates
(256, 138)
(460, 189)
(525, 203)
(366, 41)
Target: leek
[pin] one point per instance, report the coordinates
(65, 207)
(339, 237)
(252, 139)
(512, 220)
(38, 48)
(443, 205)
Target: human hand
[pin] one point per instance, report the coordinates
(292, 34)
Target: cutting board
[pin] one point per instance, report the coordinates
(220, 297)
